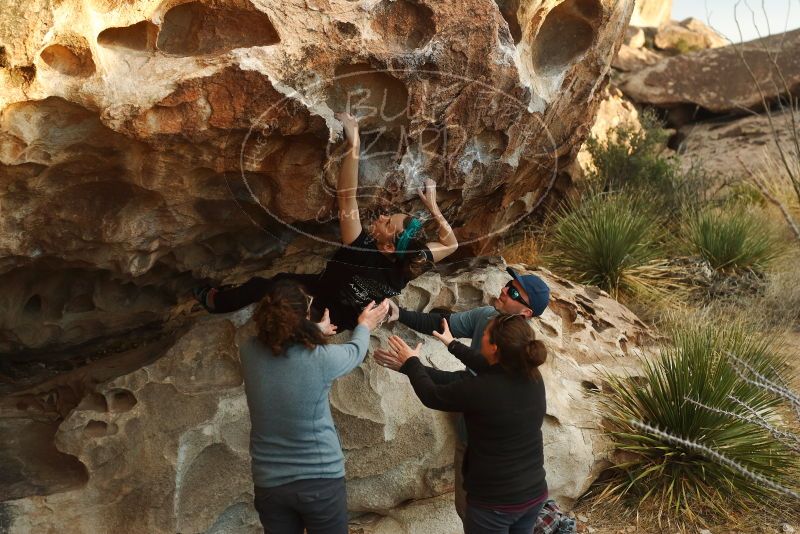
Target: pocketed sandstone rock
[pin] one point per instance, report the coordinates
(158, 145)
(165, 447)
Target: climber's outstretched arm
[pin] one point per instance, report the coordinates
(347, 187)
(447, 243)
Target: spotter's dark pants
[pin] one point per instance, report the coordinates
(318, 505)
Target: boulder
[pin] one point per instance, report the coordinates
(613, 111)
(630, 59)
(634, 37)
(717, 80)
(165, 447)
(436, 515)
(146, 147)
(720, 146)
(651, 13)
(688, 35)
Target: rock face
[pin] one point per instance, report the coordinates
(614, 110)
(651, 12)
(721, 147)
(147, 145)
(165, 446)
(717, 80)
(687, 36)
(631, 59)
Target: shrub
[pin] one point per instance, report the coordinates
(684, 47)
(632, 159)
(735, 239)
(606, 241)
(692, 373)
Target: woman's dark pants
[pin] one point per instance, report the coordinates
(318, 505)
(488, 521)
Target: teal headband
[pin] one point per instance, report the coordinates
(403, 239)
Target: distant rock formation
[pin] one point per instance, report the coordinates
(651, 12)
(717, 80)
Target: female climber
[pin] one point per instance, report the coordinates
(373, 264)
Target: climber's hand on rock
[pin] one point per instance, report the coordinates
(387, 358)
(394, 311)
(427, 194)
(350, 126)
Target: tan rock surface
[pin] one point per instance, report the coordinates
(651, 12)
(687, 36)
(717, 79)
(165, 446)
(634, 37)
(630, 59)
(142, 143)
(614, 110)
(436, 515)
(719, 146)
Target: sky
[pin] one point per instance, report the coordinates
(781, 15)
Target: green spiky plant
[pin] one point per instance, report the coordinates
(607, 241)
(732, 239)
(693, 392)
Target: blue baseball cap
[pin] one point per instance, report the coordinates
(536, 288)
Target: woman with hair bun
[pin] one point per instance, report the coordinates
(504, 407)
(288, 369)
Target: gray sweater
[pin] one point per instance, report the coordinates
(292, 436)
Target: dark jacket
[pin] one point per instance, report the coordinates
(504, 461)
(356, 274)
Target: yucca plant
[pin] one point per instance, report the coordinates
(733, 239)
(693, 392)
(607, 241)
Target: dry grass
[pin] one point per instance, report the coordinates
(780, 304)
(775, 308)
(525, 251)
(606, 517)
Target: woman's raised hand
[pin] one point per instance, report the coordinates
(427, 194)
(373, 315)
(350, 126)
(325, 325)
(446, 336)
(401, 349)
(387, 358)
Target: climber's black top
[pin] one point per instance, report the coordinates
(356, 274)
